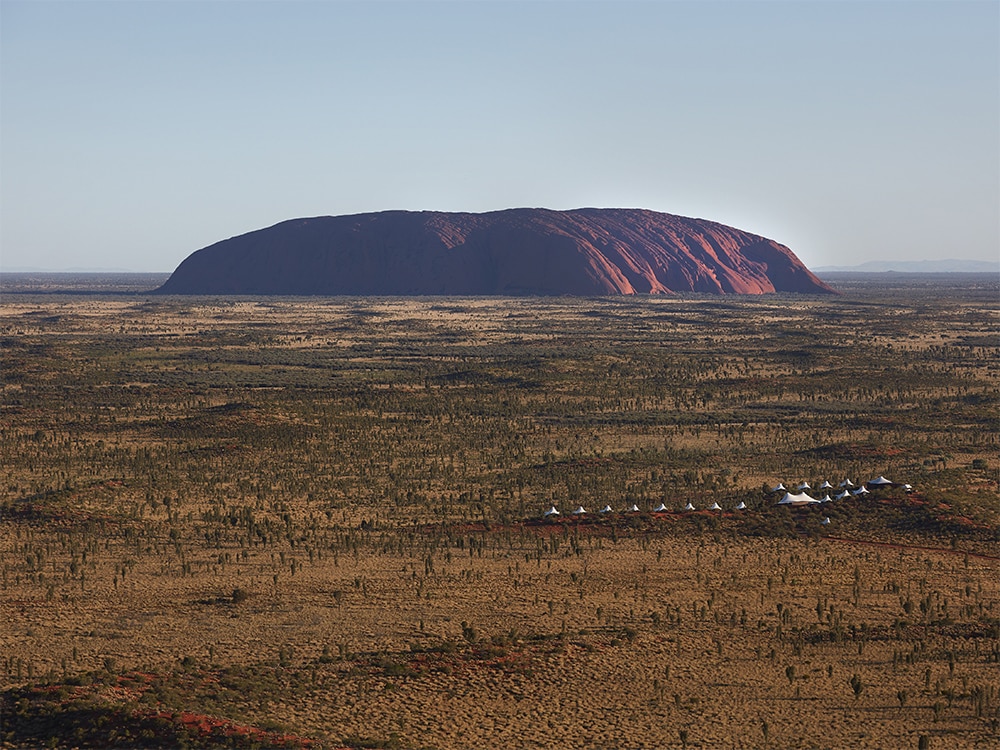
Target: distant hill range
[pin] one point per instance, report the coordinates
(524, 251)
(915, 266)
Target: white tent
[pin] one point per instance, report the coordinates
(803, 487)
(825, 521)
(908, 487)
(826, 499)
(741, 506)
(689, 507)
(826, 485)
(606, 509)
(847, 483)
(715, 506)
(860, 491)
(779, 488)
(579, 511)
(634, 508)
(880, 482)
(659, 508)
(551, 512)
(800, 499)
(842, 495)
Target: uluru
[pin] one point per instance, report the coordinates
(522, 251)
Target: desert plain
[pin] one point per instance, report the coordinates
(317, 522)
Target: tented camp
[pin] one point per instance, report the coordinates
(799, 499)
(551, 512)
(659, 508)
(715, 506)
(579, 511)
(880, 482)
(689, 506)
(606, 509)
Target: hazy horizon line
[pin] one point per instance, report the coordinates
(874, 266)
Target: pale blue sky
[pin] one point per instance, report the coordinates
(133, 133)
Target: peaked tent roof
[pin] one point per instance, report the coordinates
(800, 499)
(634, 508)
(579, 511)
(880, 482)
(659, 508)
(715, 506)
(689, 507)
(606, 509)
(778, 488)
(551, 511)
(741, 506)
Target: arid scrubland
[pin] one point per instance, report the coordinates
(316, 522)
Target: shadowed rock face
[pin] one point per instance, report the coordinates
(524, 251)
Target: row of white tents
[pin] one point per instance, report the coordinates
(848, 489)
(799, 497)
(661, 508)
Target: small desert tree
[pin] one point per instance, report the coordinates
(856, 685)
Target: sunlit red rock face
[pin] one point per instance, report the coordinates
(523, 251)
